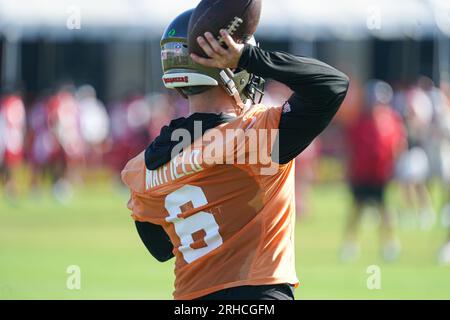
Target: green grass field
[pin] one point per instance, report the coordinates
(40, 238)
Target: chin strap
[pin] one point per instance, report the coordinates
(227, 78)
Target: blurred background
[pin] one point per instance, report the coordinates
(81, 94)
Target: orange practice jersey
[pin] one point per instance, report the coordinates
(230, 224)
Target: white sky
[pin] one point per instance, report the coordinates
(302, 18)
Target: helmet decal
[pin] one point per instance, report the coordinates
(172, 33)
(184, 79)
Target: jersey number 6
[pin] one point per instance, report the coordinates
(202, 222)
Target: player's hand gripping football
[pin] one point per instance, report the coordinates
(219, 57)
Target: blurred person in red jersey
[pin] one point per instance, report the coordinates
(45, 154)
(12, 129)
(2, 141)
(64, 121)
(375, 139)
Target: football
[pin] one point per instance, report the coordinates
(239, 17)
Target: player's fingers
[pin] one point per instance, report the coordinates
(206, 47)
(203, 61)
(229, 41)
(215, 44)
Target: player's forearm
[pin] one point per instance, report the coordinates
(319, 90)
(155, 240)
(313, 81)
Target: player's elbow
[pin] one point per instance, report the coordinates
(338, 90)
(163, 257)
(160, 251)
(341, 84)
(155, 240)
(345, 83)
(330, 92)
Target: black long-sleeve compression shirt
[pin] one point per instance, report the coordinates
(156, 240)
(319, 90)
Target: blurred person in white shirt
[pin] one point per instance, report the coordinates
(94, 123)
(413, 166)
(444, 121)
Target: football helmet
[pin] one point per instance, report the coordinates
(182, 73)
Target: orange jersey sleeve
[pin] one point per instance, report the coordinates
(231, 223)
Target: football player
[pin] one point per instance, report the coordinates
(375, 140)
(230, 226)
(12, 131)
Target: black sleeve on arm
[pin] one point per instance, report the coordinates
(155, 240)
(319, 90)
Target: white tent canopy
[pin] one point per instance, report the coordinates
(342, 19)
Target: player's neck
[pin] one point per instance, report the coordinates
(215, 100)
